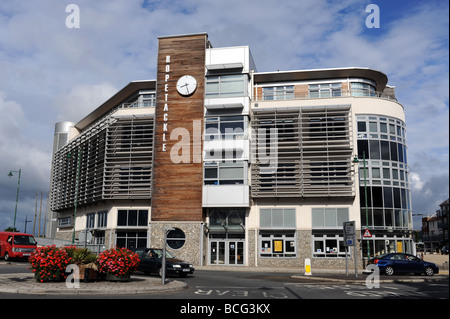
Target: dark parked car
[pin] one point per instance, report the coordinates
(444, 250)
(151, 261)
(403, 263)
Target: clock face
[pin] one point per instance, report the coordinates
(186, 85)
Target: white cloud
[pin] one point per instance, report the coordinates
(50, 73)
(18, 152)
(82, 99)
(416, 182)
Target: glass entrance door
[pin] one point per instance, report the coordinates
(235, 252)
(226, 252)
(217, 252)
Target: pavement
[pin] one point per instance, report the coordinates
(24, 283)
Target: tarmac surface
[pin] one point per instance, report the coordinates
(24, 283)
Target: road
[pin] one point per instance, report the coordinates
(234, 285)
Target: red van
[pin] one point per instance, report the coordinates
(16, 245)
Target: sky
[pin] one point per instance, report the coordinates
(51, 73)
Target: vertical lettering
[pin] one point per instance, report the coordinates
(166, 98)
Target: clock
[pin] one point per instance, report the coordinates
(186, 85)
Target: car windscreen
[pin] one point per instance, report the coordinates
(24, 240)
(159, 253)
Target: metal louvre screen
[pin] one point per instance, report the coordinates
(115, 162)
(302, 152)
(88, 152)
(128, 160)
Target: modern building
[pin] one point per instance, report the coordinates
(239, 167)
(435, 228)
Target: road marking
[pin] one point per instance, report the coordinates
(243, 292)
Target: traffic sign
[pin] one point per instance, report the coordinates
(349, 233)
(367, 233)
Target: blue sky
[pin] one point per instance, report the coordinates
(49, 73)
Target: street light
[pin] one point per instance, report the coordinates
(10, 174)
(356, 161)
(26, 222)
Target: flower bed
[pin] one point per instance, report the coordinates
(118, 262)
(49, 263)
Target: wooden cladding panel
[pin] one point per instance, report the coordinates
(178, 170)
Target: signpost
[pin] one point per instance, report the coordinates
(163, 266)
(350, 240)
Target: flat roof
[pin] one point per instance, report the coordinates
(183, 35)
(315, 74)
(118, 98)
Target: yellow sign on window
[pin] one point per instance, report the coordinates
(278, 246)
(399, 247)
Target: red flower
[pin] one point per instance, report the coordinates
(118, 261)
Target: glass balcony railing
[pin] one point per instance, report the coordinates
(319, 94)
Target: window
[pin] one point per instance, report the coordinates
(325, 90)
(362, 89)
(144, 100)
(361, 126)
(328, 245)
(373, 127)
(226, 173)
(131, 239)
(90, 220)
(132, 217)
(226, 86)
(227, 219)
(277, 244)
(176, 238)
(374, 149)
(278, 92)
(329, 217)
(148, 100)
(65, 222)
(225, 127)
(102, 220)
(277, 218)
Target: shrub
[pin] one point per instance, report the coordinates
(120, 262)
(49, 263)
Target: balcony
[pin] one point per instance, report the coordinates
(322, 95)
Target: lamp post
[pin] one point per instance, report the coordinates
(26, 221)
(17, 193)
(355, 160)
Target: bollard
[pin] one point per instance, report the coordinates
(307, 267)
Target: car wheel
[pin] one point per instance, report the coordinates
(429, 271)
(6, 257)
(160, 272)
(389, 270)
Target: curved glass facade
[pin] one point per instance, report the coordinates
(382, 142)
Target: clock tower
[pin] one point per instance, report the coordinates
(177, 160)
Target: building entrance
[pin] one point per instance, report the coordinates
(226, 252)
